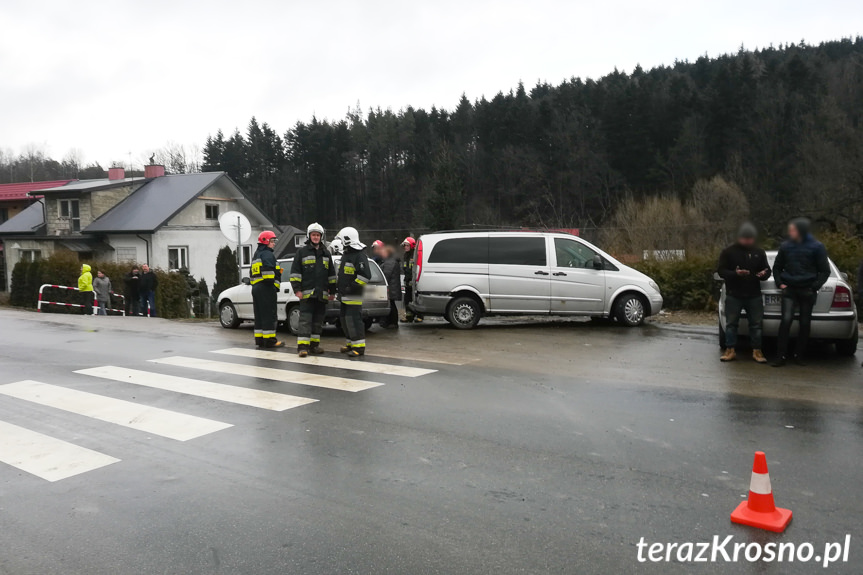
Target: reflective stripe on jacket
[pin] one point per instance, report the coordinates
(265, 268)
(354, 274)
(313, 272)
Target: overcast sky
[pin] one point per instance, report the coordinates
(113, 77)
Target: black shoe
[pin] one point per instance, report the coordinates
(345, 349)
(779, 362)
(316, 351)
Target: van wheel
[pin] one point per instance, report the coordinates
(629, 309)
(463, 312)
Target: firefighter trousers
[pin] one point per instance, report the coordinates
(351, 319)
(265, 305)
(312, 313)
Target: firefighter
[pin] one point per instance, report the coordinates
(353, 276)
(266, 276)
(408, 263)
(313, 278)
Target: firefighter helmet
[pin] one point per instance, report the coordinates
(315, 227)
(337, 247)
(266, 237)
(410, 242)
(351, 238)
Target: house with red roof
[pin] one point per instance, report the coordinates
(15, 197)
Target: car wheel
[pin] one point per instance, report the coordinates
(228, 316)
(463, 313)
(847, 347)
(293, 319)
(368, 322)
(629, 309)
(721, 336)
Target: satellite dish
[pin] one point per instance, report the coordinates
(235, 226)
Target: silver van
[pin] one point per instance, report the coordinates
(463, 276)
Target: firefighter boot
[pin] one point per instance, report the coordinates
(315, 349)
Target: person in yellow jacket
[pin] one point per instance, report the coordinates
(85, 287)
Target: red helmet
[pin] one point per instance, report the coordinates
(411, 243)
(265, 237)
(377, 244)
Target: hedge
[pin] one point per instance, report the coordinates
(687, 283)
(63, 268)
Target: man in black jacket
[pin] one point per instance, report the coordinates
(743, 266)
(800, 269)
(147, 291)
(313, 278)
(266, 275)
(354, 274)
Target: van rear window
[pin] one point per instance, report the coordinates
(518, 251)
(460, 251)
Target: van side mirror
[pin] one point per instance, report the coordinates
(598, 262)
(247, 281)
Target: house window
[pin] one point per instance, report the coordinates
(126, 255)
(299, 240)
(30, 255)
(247, 256)
(211, 211)
(4, 214)
(178, 258)
(69, 210)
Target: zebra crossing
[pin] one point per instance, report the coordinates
(54, 459)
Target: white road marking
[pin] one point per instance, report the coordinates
(320, 361)
(340, 383)
(415, 355)
(47, 457)
(153, 420)
(218, 391)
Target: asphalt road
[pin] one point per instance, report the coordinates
(533, 448)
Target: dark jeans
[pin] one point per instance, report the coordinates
(802, 299)
(148, 298)
(87, 300)
(754, 308)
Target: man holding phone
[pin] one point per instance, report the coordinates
(743, 265)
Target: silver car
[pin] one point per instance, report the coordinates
(834, 318)
(235, 304)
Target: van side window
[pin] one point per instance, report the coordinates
(460, 251)
(572, 254)
(518, 251)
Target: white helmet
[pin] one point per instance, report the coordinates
(351, 238)
(337, 247)
(315, 227)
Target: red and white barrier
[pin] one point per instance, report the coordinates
(78, 305)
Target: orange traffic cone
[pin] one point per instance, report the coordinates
(760, 510)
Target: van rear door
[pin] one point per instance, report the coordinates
(519, 274)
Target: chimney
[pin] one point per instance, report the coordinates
(154, 171)
(116, 173)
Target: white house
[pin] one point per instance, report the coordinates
(166, 221)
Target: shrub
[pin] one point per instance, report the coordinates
(685, 284)
(18, 289)
(845, 250)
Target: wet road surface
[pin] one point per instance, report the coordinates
(514, 448)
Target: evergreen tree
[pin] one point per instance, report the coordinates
(445, 206)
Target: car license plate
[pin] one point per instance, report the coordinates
(772, 299)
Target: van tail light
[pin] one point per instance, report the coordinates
(841, 298)
(419, 259)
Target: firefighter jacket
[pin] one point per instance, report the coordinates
(408, 268)
(313, 272)
(265, 268)
(354, 274)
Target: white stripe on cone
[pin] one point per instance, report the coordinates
(760, 484)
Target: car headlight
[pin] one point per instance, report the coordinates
(653, 284)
